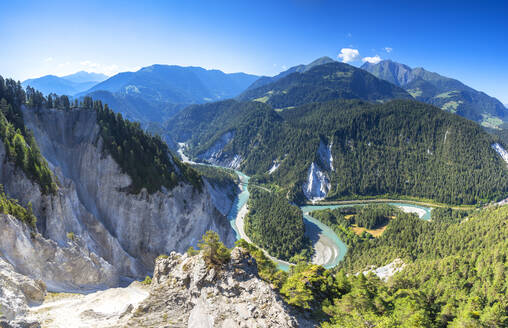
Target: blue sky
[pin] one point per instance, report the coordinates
(466, 40)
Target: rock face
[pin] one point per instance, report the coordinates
(127, 230)
(317, 185)
(69, 268)
(501, 151)
(221, 195)
(387, 271)
(215, 155)
(17, 292)
(185, 293)
(324, 153)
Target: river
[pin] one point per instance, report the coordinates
(329, 248)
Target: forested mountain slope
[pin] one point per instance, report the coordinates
(322, 83)
(448, 94)
(454, 275)
(343, 149)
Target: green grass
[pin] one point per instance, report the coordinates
(490, 121)
(415, 92)
(451, 106)
(263, 99)
(447, 94)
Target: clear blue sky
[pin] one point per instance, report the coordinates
(467, 40)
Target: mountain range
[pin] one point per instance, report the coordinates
(348, 148)
(90, 201)
(65, 85)
(157, 92)
(323, 80)
(446, 93)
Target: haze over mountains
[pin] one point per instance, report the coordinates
(65, 85)
(157, 92)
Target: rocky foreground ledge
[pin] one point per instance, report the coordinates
(184, 292)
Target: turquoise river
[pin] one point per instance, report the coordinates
(314, 229)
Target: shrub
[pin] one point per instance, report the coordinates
(147, 281)
(191, 251)
(71, 236)
(215, 253)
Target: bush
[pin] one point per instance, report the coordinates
(191, 251)
(147, 281)
(215, 253)
(71, 236)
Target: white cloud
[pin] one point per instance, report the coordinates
(373, 60)
(388, 49)
(348, 55)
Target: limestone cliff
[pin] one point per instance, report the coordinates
(126, 230)
(17, 292)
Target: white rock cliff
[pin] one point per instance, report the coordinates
(114, 228)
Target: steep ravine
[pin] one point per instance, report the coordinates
(126, 230)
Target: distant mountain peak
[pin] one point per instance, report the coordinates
(319, 83)
(65, 85)
(444, 92)
(83, 76)
(264, 80)
(320, 61)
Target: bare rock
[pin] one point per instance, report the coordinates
(187, 293)
(17, 292)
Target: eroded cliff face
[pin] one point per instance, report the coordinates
(216, 156)
(17, 292)
(127, 230)
(317, 185)
(69, 268)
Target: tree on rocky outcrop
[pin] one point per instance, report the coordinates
(214, 252)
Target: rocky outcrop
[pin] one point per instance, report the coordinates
(216, 156)
(501, 151)
(324, 154)
(317, 185)
(17, 293)
(186, 293)
(387, 271)
(274, 167)
(223, 196)
(126, 230)
(69, 268)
